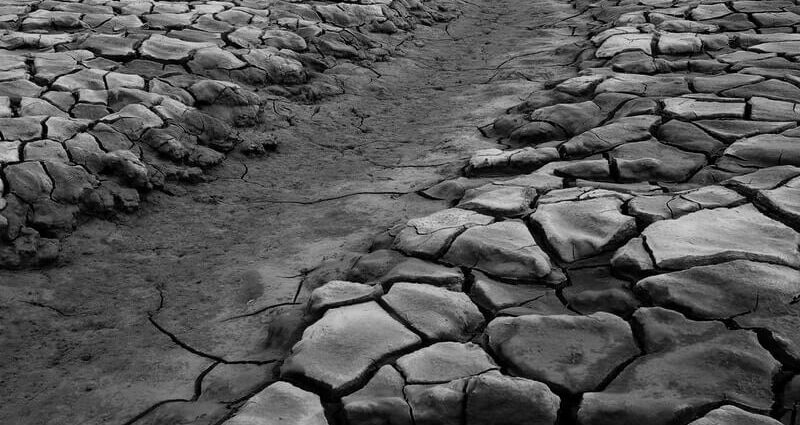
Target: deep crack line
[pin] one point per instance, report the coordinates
(199, 353)
(49, 307)
(332, 198)
(260, 310)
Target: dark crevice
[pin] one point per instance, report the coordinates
(199, 353)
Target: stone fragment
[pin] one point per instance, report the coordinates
(444, 361)
(339, 349)
(23, 128)
(32, 107)
(763, 109)
(339, 293)
(765, 150)
(281, 39)
(573, 118)
(281, 403)
(709, 11)
(733, 22)
(44, 150)
(596, 289)
(589, 169)
(278, 69)
(749, 6)
(91, 79)
(9, 152)
(763, 179)
(654, 161)
(790, 396)
(714, 236)
(600, 139)
(645, 85)
(649, 209)
(416, 270)
(546, 305)
(692, 109)
(516, 160)
(732, 130)
(437, 404)
(679, 44)
(370, 267)
(633, 260)
(494, 399)
(689, 137)
(783, 202)
(116, 80)
(685, 26)
(435, 312)
(732, 415)
(28, 181)
(771, 89)
(581, 85)
(430, 236)
(62, 129)
(70, 181)
(636, 107)
(133, 120)
(598, 39)
(496, 200)
(247, 37)
(168, 49)
(572, 353)
(209, 60)
(581, 194)
(718, 83)
(578, 230)
(505, 250)
(381, 399)
(452, 190)
(541, 183)
(493, 295)
(662, 329)
(788, 48)
(111, 46)
(536, 132)
(624, 43)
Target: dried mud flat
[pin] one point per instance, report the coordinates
(592, 212)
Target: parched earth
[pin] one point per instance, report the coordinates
(592, 211)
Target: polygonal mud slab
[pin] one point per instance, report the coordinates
(339, 293)
(573, 353)
(430, 236)
(437, 313)
(578, 230)
(594, 289)
(732, 415)
(490, 398)
(338, 350)
(719, 235)
(784, 202)
(505, 250)
(445, 361)
(382, 398)
(494, 295)
(281, 403)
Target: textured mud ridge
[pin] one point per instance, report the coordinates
(628, 254)
(103, 101)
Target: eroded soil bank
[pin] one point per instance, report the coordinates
(167, 315)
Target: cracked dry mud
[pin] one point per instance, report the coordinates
(592, 212)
